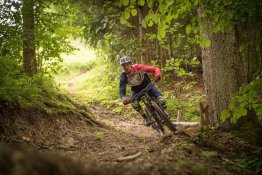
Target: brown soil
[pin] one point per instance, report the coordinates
(70, 144)
(77, 142)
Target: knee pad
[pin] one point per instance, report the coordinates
(162, 102)
(136, 105)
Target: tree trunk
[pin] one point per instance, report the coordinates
(29, 57)
(140, 28)
(162, 53)
(158, 53)
(223, 71)
(170, 45)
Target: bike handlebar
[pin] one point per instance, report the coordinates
(142, 91)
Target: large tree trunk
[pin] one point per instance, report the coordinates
(223, 71)
(29, 57)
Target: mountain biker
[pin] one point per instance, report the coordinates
(136, 76)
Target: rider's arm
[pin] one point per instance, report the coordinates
(148, 69)
(122, 86)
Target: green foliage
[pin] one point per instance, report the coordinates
(77, 67)
(188, 106)
(253, 163)
(225, 14)
(22, 90)
(133, 12)
(179, 66)
(53, 26)
(96, 84)
(209, 154)
(192, 15)
(33, 92)
(199, 138)
(248, 98)
(10, 39)
(125, 2)
(99, 136)
(104, 32)
(115, 47)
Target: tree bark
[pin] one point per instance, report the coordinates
(170, 45)
(29, 56)
(162, 53)
(223, 71)
(140, 28)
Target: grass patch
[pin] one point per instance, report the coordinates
(99, 136)
(33, 92)
(94, 86)
(188, 106)
(90, 80)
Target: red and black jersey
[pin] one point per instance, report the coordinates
(138, 79)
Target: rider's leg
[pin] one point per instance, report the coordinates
(138, 107)
(140, 110)
(162, 101)
(158, 95)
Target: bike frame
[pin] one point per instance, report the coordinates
(156, 111)
(147, 100)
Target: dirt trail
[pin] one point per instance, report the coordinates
(171, 154)
(128, 125)
(69, 134)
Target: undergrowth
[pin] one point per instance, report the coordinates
(93, 86)
(39, 91)
(96, 81)
(34, 92)
(187, 106)
(90, 81)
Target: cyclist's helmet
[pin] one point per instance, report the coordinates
(125, 59)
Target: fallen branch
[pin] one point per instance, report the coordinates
(127, 158)
(186, 123)
(233, 163)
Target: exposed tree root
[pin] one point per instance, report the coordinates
(90, 119)
(127, 158)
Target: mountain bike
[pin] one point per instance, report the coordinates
(155, 111)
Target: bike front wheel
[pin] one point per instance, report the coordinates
(164, 116)
(158, 126)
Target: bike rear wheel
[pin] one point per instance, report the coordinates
(164, 116)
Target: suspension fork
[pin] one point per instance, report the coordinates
(147, 102)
